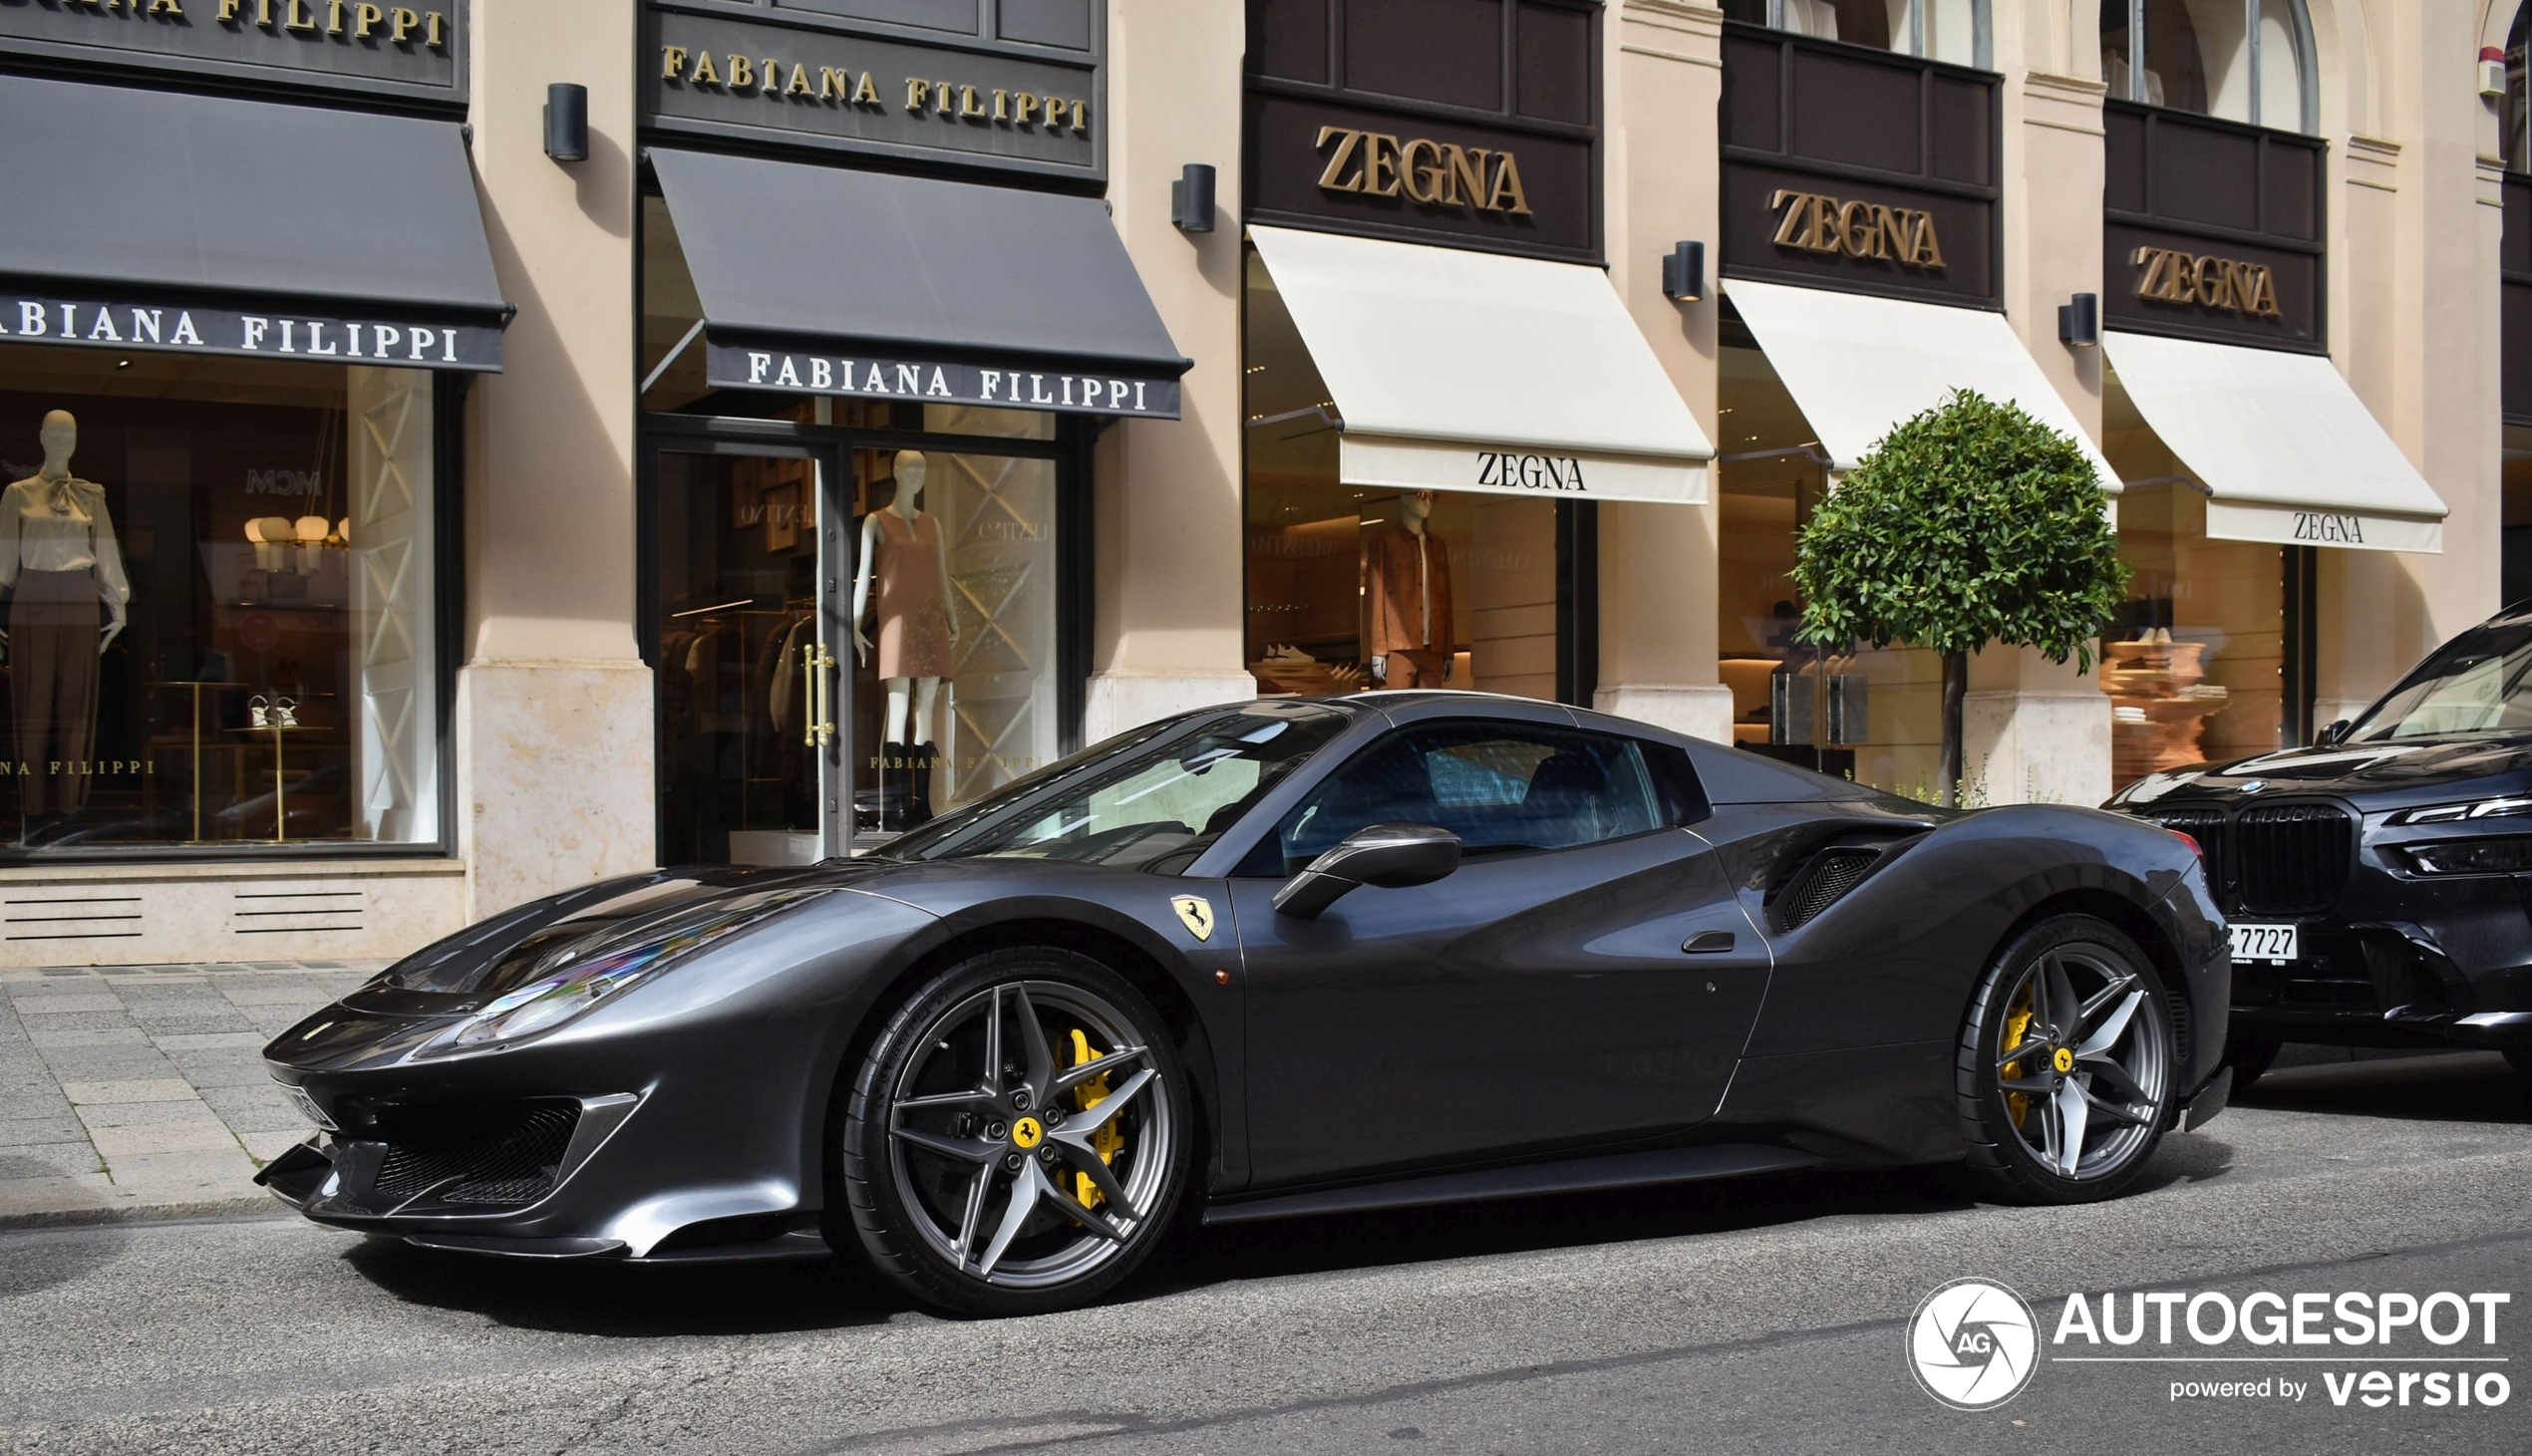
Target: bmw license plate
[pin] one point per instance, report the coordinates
(2271, 943)
(308, 1108)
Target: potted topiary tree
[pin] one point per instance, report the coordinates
(1966, 524)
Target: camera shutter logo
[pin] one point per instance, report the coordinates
(1973, 1345)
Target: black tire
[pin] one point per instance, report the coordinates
(901, 1226)
(2520, 1059)
(2250, 1054)
(2000, 1158)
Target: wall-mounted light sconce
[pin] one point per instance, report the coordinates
(1192, 198)
(2079, 322)
(1684, 272)
(568, 122)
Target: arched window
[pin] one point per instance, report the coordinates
(2518, 113)
(2241, 60)
(1952, 31)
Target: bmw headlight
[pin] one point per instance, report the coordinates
(2511, 807)
(568, 982)
(2509, 855)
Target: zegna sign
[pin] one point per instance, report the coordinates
(1420, 170)
(1819, 224)
(2171, 275)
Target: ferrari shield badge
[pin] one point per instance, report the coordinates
(1195, 914)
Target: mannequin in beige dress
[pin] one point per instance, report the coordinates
(904, 557)
(67, 592)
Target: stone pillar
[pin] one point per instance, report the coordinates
(1657, 602)
(553, 710)
(1168, 494)
(2415, 217)
(2033, 730)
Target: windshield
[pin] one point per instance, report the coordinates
(1153, 799)
(2475, 685)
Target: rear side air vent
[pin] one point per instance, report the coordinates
(1819, 884)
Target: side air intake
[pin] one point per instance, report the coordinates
(1822, 882)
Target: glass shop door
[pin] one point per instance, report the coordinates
(747, 554)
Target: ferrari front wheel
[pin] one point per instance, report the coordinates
(2067, 1063)
(1016, 1139)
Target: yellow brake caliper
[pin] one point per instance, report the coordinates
(1088, 1094)
(2017, 1025)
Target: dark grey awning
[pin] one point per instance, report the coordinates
(153, 219)
(826, 280)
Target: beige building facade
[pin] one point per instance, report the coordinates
(822, 436)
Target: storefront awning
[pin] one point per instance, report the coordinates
(828, 281)
(1464, 371)
(142, 219)
(2284, 449)
(1857, 364)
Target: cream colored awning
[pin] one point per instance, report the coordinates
(1456, 370)
(1857, 364)
(2284, 449)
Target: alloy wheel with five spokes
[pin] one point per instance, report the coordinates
(2067, 1064)
(1016, 1141)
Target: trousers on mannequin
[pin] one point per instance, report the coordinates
(54, 619)
(907, 756)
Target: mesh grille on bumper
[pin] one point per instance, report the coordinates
(499, 1155)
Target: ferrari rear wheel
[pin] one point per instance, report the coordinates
(1016, 1141)
(2067, 1063)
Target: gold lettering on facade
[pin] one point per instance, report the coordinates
(1818, 223)
(1421, 172)
(1379, 164)
(2168, 275)
(1433, 173)
(841, 83)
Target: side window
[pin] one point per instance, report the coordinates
(1503, 789)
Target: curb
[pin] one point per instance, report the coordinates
(141, 1213)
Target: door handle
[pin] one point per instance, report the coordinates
(1709, 943)
(818, 695)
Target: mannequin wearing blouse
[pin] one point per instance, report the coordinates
(67, 590)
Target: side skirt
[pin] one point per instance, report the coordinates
(1529, 1180)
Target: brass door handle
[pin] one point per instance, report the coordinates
(818, 695)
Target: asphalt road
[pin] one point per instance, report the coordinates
(1755, 1317)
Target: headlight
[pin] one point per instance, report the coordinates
(2505, 808)
(573, 981)
(2509, 855)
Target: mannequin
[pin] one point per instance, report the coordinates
(1407, 599)
(903, 554)
(67, 595)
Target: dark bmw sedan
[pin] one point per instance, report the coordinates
(2378, 884)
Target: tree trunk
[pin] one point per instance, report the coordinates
(1955, 685)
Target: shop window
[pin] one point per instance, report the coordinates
(1870, 714)
(221, 603)
(1354, 587)
(2240, 60)
(2196, 663)
(1951, 31)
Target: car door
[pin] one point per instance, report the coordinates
(1586, 976)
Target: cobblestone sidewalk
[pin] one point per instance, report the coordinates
(140, 1090)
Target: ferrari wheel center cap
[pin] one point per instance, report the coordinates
(2063, 1061)
(1027, 1133)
